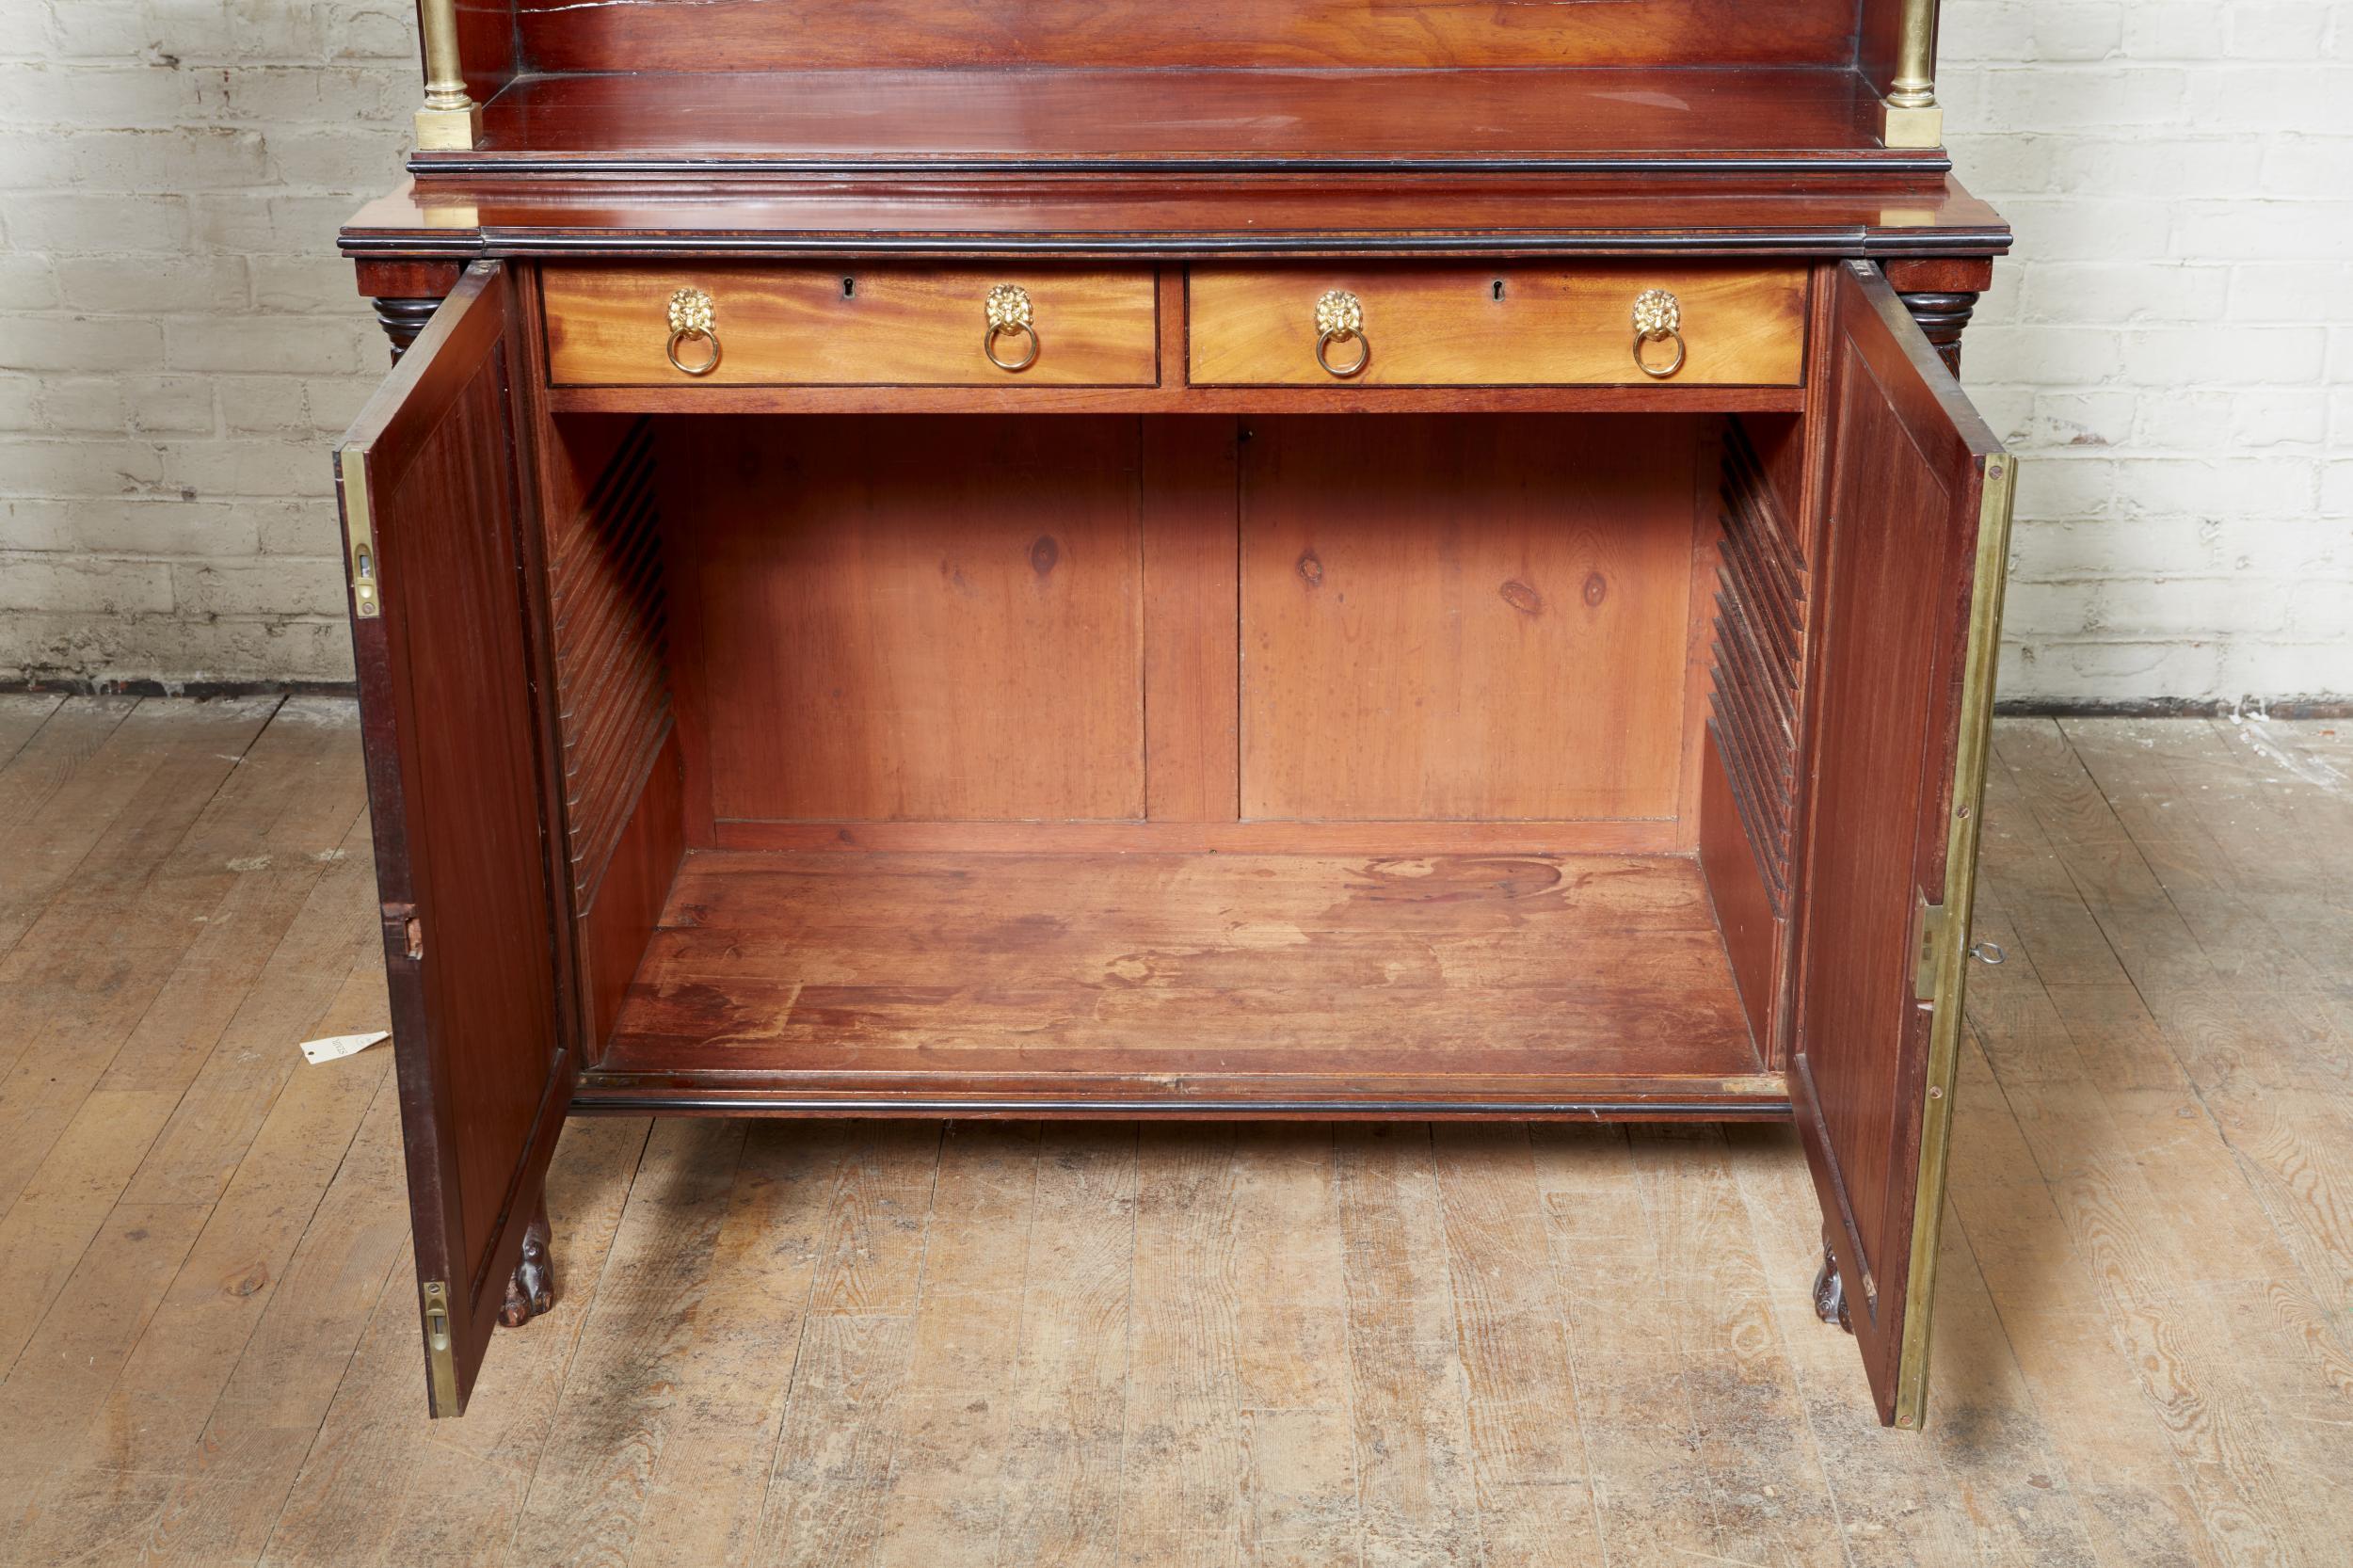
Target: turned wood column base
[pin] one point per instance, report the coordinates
(405, 295)
(1942, 316)
(403, 319)
(1942, 296)
(531, 1289)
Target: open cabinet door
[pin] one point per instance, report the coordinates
(1910, 592)
(442, 618)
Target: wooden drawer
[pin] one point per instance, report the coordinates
(1496, 327)
(845, 326)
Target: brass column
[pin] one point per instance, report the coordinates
(449, 119)
(1908, 115)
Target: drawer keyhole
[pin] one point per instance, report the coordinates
(1499, 288)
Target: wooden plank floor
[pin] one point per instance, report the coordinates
(874, 1343)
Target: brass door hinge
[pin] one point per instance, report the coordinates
(1931, 927)
(441, 1350)
(367, 600)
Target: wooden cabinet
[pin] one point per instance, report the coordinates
(1410, 568)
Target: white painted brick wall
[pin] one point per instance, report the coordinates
(2172, 345)
(178, 340)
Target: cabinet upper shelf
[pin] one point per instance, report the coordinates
(1086, 128)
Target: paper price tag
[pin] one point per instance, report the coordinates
(335, 1045)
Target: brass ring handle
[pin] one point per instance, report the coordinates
(1657, 317)
(1339, 317)
(988, 346)
(1363, 353)
(692, 316)
(708, 364)
(1009, 312)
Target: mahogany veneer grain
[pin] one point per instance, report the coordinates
(878, 327)
(1502, 326)
(455, 736)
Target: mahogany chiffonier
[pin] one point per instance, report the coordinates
(1102, 559)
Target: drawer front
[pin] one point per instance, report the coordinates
(1497, 326)
(843, 327)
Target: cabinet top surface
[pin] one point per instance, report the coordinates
(1170, 217)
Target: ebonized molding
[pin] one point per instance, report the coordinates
(500, 243)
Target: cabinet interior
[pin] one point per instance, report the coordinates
(1157, 757)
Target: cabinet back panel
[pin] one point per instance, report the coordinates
(1466, 618)
(485, 42)
(1479, 623)
(913, 618)
(771, 35)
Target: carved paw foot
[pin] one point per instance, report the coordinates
(1830, 1295)
(531, 1288)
